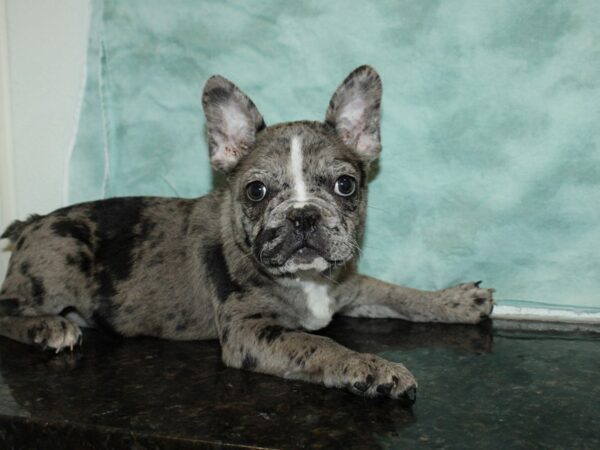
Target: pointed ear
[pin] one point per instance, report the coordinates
(232, 122)
(354, 112)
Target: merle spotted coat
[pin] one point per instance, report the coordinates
(257, 274)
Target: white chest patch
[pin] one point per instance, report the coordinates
(319, 308)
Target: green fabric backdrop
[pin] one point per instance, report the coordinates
(491, 150)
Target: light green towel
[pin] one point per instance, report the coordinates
(491, 113)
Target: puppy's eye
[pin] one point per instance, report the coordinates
(345, 186)
(256, 191)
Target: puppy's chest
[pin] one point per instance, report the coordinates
(318, 307)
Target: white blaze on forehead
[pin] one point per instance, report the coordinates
(296, 169)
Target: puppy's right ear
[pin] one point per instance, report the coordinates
(232, 122)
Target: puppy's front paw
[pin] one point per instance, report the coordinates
(372, 376)
(55, 333)
(467, 303)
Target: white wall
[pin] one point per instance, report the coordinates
(42, 62)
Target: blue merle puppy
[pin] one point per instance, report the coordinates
(258, 264)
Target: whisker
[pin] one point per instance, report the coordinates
(329, 278)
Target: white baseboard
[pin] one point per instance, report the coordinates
(546, 313)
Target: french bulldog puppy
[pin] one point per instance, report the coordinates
(257, 264)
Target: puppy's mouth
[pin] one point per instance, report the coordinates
(299, 259)
(305, 259)
(305, 255)
(281, 252)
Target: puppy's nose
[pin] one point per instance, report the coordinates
(304, 220)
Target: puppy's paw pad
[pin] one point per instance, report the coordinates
(410, 395)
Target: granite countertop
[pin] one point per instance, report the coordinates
(478, 388)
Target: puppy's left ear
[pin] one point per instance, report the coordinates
(354, 112)
(232, 122)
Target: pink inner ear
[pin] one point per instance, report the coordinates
(227, 157)
(233, 139)
(236, 124)
(353, 113)
(369, 144)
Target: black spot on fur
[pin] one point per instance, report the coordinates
(181, 326)
(82, 261)
(85, 264)
(270, 332)
(255, 316)
(217, 94)
(219, 273)
(120, 228)
(9, 306)
(38, 291)
(74, 229)
(310, 351)
(170, 316)
(24, 268)
(224, 335)
(249, 362)
(480, 301)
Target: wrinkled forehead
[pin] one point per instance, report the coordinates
(289, 150)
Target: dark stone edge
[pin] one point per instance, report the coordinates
(17, 432)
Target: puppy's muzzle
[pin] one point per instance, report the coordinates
(304, 221)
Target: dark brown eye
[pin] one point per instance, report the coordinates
(345, 186)
(256, 191)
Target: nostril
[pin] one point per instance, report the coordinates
(304, 220)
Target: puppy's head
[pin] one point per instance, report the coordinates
(298, 189)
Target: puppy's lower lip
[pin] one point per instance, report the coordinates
(305, 254)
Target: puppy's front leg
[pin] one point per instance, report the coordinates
(256, 338)
(363, 296)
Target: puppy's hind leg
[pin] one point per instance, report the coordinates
(45, 330)
(49, 332)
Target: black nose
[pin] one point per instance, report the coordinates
(304, 220)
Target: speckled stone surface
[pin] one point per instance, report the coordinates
(478, 388)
